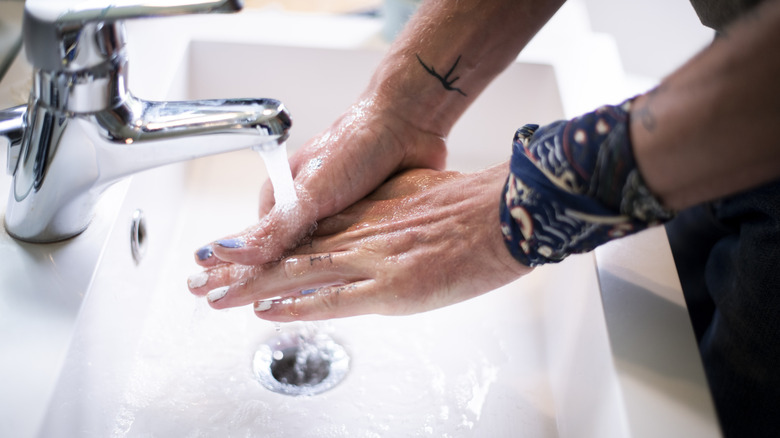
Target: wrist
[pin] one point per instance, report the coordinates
(575, 185)
(404, 89)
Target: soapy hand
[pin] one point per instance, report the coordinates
(331, 172)
(423, 240)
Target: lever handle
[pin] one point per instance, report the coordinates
(67, 14)
(54, 29)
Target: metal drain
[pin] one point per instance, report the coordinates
(300, 363)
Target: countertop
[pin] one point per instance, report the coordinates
(10, 32)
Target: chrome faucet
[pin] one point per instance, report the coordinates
(83, 130)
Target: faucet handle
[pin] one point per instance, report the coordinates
(76, 12)
(54, 28)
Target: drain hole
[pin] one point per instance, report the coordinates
(298, 367)
(300, 363)
(138, 237)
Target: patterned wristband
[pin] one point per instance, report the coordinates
(574, 185)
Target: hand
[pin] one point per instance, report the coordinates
(399, 123)
(332, 171)
(423, 240)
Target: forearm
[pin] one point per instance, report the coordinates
(466, 43)
(711, 129)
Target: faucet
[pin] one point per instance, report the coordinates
(83, 130)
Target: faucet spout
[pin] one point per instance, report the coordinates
(67, 160)
(143, 134)
(83, 129)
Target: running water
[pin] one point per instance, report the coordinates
(305, 362)
(278, 167)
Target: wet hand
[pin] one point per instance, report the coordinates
(331, 172)
(424, 240)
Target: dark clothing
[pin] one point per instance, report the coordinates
(728, 258)
(717, 14)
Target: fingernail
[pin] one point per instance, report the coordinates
(197, 280)
(217, 294)
(308, 291)
(262, 306)
(231, 243)
(204, 253)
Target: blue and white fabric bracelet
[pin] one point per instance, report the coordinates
(574, 185)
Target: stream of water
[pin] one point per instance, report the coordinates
(278, 167)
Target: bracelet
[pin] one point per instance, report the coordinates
(574, 185)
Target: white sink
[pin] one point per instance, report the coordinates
(534, 358)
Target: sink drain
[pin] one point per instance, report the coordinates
(300, 363)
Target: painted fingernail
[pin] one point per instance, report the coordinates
(204, 253)
(231, 243)
(262, 306)
(217, 294)
(197, 280)
(308, 291)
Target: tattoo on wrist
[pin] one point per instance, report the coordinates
(445, 80)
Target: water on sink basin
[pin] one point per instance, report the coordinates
(466, 370)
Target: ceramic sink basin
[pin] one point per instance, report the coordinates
(174, 365)
(146, 358)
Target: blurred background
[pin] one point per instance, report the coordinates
(653, 36)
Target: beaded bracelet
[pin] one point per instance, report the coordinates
(574, 185)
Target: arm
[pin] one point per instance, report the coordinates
(439, 64)
(467, 42)
(708, 131)
(711, 129)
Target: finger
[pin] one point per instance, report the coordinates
(281, 229)
(204, 256)
(231, 287)
(218, 276)
(357, 298)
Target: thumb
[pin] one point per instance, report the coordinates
(282, 229)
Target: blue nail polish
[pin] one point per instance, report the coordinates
(308, 291)
(231, 243)
(204, 253)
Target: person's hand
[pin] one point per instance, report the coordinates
(429, 76)
(423, 240)
(331, 172)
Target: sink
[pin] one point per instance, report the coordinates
(166, 363)
(140, 356)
